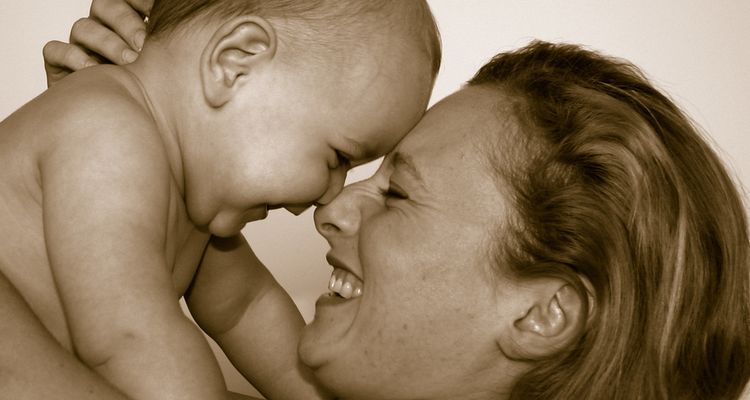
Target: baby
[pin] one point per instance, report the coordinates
(126, 187)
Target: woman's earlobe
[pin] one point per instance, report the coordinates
(238, 48)
(554, 318)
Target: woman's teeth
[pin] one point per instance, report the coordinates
(345, 284)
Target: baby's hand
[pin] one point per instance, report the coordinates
(113, 32)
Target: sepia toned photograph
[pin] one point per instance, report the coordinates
(374, 200)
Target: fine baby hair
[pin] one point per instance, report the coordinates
(320, 26)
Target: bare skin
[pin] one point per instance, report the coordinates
(114, 266)
(102, 278)
(64, 375)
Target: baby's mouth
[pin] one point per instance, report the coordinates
(344, 284)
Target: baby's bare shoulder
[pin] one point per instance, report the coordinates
(102, 100)
(98, 115)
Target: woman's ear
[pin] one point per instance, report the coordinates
(239, 47)
(551, 317)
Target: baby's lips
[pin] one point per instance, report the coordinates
(256, 214)
(297, 209)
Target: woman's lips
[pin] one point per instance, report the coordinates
(334, 318)
(335, 308)
(345, 284)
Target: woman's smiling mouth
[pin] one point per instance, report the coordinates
(345, 284)
(343, 281)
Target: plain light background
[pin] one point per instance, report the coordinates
(696, 51)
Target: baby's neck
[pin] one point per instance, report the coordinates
(165, 95)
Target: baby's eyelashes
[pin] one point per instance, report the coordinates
(343, 160)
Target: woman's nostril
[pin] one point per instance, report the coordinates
(328, 227)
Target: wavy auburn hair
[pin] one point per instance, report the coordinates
(616, 188)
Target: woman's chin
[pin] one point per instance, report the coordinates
(324, 339)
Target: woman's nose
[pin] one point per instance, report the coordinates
(340, 217)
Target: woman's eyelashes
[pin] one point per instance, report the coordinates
(395, 192)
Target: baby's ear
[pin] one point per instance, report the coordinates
(235, 50)
(551, 316)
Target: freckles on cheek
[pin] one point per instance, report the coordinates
(377, 351)
(371, 356)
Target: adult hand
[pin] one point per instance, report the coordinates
(113, 32)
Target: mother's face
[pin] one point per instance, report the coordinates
(411, 254)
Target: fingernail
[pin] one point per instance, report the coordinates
(129, 55)
(90, 63)
(139, 39)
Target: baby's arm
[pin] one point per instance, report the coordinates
(240, 305)
(33, 363)
(35, 366)
(106, 188)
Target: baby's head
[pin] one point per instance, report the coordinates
(291, 95)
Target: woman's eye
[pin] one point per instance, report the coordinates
(395, 192)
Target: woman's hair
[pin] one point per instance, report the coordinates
(615, 187)
(317, 25)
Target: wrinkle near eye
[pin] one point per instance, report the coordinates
(405, 162)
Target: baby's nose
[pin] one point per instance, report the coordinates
(335, 184)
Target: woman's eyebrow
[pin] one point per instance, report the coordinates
(407, 163)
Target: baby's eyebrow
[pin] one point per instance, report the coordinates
(360, 153)
(358, 149)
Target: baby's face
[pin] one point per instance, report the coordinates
(292, 136)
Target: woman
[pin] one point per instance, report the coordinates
(557, 229)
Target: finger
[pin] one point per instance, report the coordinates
(62, 55)
(65, 55)
(142, 6)
(122, 18)
(96, 38)
(60, 59)
(55, 74)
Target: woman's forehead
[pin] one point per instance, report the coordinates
(464, 123)
(446, 154)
